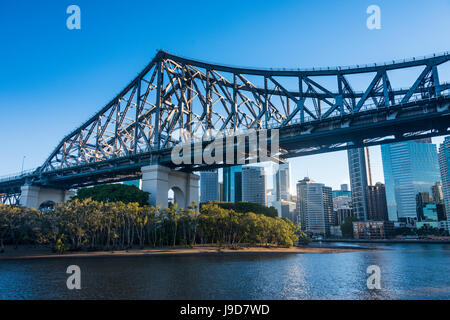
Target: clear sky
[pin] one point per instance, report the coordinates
(52, 79)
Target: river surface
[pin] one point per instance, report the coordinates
(408, 271)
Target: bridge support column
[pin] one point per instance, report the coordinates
(158, 180)
(33, 196)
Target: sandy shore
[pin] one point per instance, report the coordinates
(24, 252)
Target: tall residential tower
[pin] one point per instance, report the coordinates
(360, 179)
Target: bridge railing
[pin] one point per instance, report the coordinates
(367, 106)
(17, 175)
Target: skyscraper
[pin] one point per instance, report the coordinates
(444, 165)
(436, 192)
(328, 206)
(360, 178)
(314, 205)
(232, 184)
(254, 185)
(281, 182)
(221, 191)
(376, 202)
(209, 186)
(409, 167)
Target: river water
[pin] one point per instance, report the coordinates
(408, 271)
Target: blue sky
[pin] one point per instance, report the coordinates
(52, 79)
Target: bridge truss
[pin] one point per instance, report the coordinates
(316, 110)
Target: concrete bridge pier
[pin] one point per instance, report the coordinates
(158, 180)
(34, 196)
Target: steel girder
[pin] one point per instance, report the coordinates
(10, 198)
(175, 97)
(316, 110)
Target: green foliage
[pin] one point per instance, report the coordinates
(303, 238)
(246, 207)
(93, 225)
(114, 193)
(347, 227)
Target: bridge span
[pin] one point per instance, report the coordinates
(314, 110)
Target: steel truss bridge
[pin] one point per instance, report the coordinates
(316, 110)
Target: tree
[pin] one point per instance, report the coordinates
(114, 193)
(347, 227)
(246, 207)
(94, 225)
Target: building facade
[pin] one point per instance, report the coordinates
(360, 178)
(444, 166)
(376, 202)
(254, 187)
(281, 182)
(314, 206)
(436, 192)
(232, 184)
(409, 168)
(373, 230)
(209, 186)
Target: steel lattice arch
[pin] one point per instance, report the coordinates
(315, 110)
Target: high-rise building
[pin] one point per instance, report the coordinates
(221, 191)
(409, 167)
(342, 193)
(340, 214)
(342, 208)
(286, 209)
(437, 194)
(422, 199)
(232, 184)
(328, 206)
(209, 186)
(342, 202)
(444, 165)
(281, 182)
(254, 187)
(376, 202)
(314, 206)
(344, 187)
(360, 178)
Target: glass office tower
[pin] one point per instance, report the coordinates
(444, 164)
(281, 182)
(232, 184)
(409, 167)
(209, 186)
(254, 188)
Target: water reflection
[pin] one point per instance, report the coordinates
(408, 272)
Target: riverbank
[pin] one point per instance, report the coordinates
(419, 241)
(25, 252)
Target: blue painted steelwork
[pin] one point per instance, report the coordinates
(316, 110)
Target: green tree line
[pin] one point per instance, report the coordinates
(245, 207)
(94, 225)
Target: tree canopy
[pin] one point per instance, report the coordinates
(347, 227)
(114, 193)
(245, 207)
(94, 225)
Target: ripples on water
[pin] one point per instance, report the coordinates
(412, 271)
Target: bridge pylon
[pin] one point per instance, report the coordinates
(158, 180)
(34, 196)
